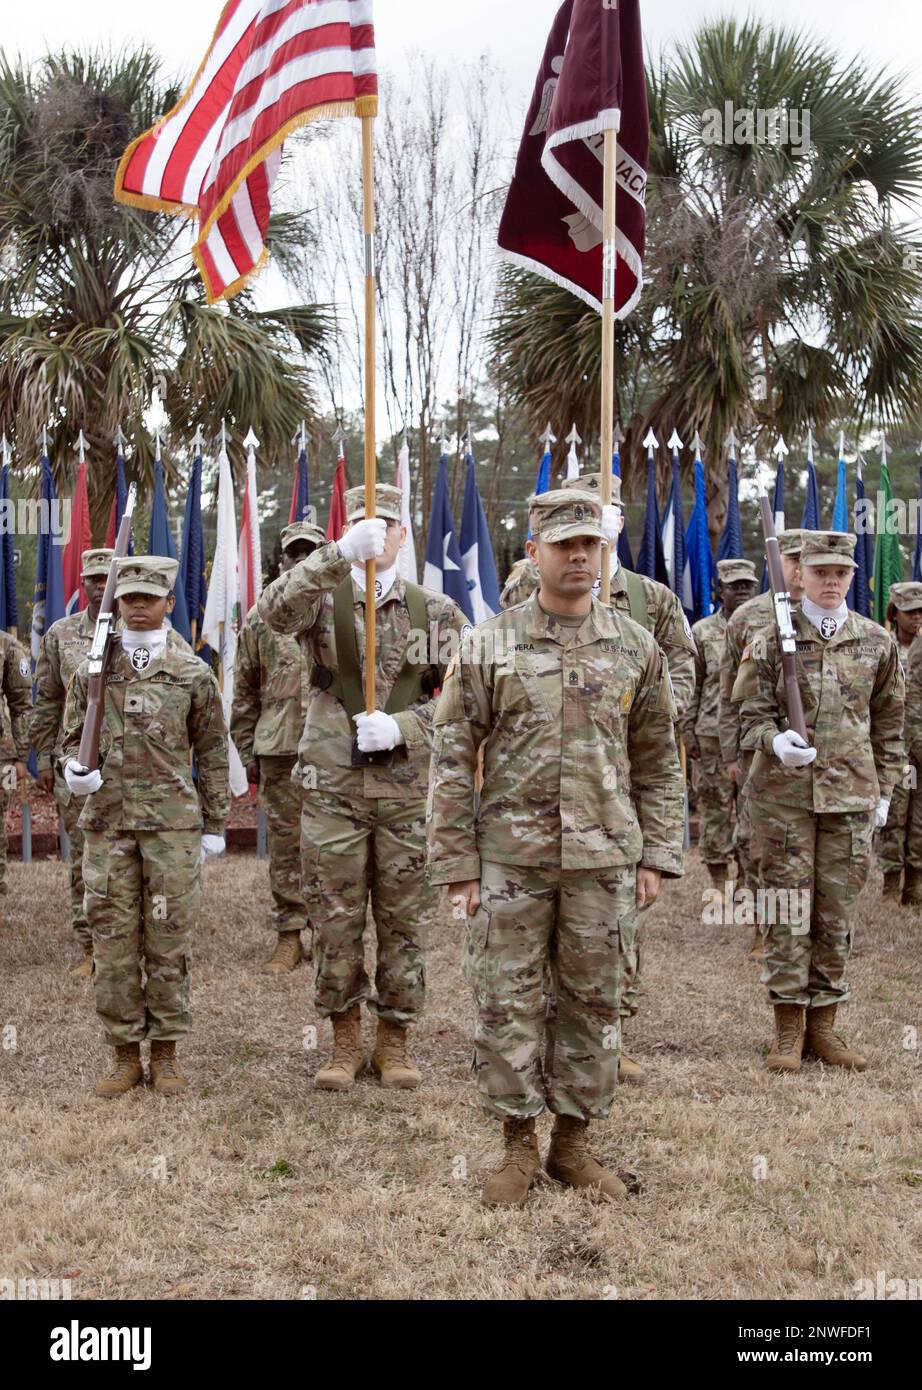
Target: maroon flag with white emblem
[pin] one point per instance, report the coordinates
(591, 80)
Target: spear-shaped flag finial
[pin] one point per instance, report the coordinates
(675, 443)
(548, 438)
(781, 450)
(119, 440)
(617, 438)
(697, 446)
(198, 441)
(80, 447)
(651, 442)
(300, 437)
(574, 437)
(339, 437)
(730, 444)
(5, 449)
(251, 443)
(43, 440)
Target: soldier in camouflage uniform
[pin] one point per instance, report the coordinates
(742, 630)
(700, 724)
(64, 646)
(814, 804)
(15, 714)
(365, 778)
(270, 697)
(146, 826)
(899, 845)
(581, 812)
(657, 609)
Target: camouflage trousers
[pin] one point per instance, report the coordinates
(899, 844)
(742, 836)
(69, 808)
(715, 794)
(357, 852)
(631, 959)
(280, 798)
(5, 797)
(558, 926)
(811, 870)
(143, 894)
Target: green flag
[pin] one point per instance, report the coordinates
(888, 562)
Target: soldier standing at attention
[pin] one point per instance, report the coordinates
(146, 827)
(64, 646)
(365, 776)
(270, 698)
(899, 845)
(813, 805)
(15, 714)
(658, 610)
(700, 724)
(580, 815)
(741, 637)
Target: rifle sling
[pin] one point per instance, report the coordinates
(346, 684)
(637, 598)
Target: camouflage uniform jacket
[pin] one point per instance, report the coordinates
(853, 695)
(669, 624)
(64, 646)
(271, 687)
(751, 617)
(152, 720)
(702, 715)
(300, 603)
(16, 704)
(580, 768)
(913, 718)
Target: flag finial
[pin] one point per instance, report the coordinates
(781, 450)
(810, 446)
(467, 439)
(617, 437)
(198, 441)
(5, 449)
(675, 443)
(651, 442)
(338, 437)
(574, 438)
(730, 444)
(697, 446)
(119, 440)
(80, 447)
(548, 437)
(251, 443)
(43, 440)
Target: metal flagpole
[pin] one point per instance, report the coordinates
(608, 337)
(368, 218)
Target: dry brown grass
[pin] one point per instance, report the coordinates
(272, 1188)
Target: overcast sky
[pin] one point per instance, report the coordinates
(512, 31)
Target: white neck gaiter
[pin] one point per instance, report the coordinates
(384, 580)
(154, 641)
(827, 621)
(615, 566)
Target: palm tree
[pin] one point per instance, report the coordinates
(780, 292)
(100, 304)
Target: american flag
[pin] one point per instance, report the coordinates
(273, 65)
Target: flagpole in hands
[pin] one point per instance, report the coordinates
(608, 337)
(368, 217)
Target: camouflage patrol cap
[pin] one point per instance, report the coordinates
(146, 574)
(791, 542)
(387, 502)
(907, 597)
(95, 562)
(592, 482)
(736, 571)
(828, 548)
(302, 531)
(564, 515)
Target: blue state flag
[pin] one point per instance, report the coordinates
(674, 548)
(778, 510)
(48, 604)
(477, 552)
(444, 572)
(543, 480)
(650, 560)
(192, 562)
(840, 507)
(698, 544)
(9, 607)
(859, 595)
(917, 557)
(161, 542)
(625, 556)
(811, 518)
(301, 492)
(730, 545)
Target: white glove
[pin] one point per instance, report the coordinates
(364, 541)
(882, 812)
(81, 781)
(611, 523)
(377, 732)
(791, 750)
(212, 845)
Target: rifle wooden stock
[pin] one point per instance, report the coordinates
(785, 622)
(101, 650)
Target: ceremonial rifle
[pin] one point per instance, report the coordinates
(101, 650)
(784, 619)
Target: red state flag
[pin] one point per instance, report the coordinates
(337, 521)
(591, 80)
(81, 539)
(273, 65)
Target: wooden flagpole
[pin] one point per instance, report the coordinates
(368, 217)
(608, 336)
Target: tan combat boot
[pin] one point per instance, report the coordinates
(347, 1052)
(892, 883)
(569, 1160)
(125, 1074)
(288, 954)
(789, 1039)
(757, 949)
(164, 1069)
(390, 1060)
(510, 1183)
(828, 1046)
(912, 888)
(84, 969)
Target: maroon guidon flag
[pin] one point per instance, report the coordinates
(591, 80)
